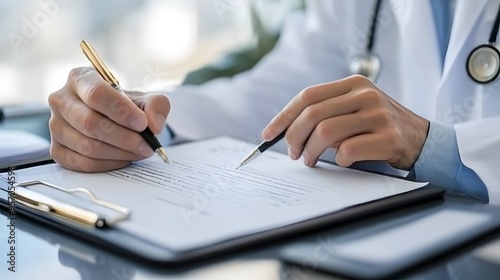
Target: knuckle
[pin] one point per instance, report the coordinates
(88, 124)
(54, 100)
(312, 113)
(308, 95)
(89, 148)
(77, 78)
(283, 119)
(119, 110)
(371, 96)
(94, 95)
(74, 74)
(287, 118)
(358, 79)
(323, 130)
(106, 126)
(53, 124)
(54, 151)
(78, 162)
(384, 118)
(77, 73)
(86, 165)
(347, 150)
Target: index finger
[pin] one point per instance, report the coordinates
(103, 98)
(306, 98)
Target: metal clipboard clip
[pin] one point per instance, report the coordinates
(43, 203)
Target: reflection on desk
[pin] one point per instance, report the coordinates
(45, 252)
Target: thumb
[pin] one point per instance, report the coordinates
(156, 108)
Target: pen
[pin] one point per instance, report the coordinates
(260, 149)
(101, 68)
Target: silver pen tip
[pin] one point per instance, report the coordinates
(161, 152)
(251, 156)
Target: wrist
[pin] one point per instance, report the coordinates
(418, 141)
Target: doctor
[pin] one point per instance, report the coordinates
(422, 111)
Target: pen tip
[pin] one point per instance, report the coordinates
(161, 152)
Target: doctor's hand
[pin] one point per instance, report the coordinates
(354, 117)
(94, 128)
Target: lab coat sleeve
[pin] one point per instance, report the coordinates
(439, 163)
(242, 106)
(479, 147)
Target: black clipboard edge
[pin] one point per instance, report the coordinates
(25, 164)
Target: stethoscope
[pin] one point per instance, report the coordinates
(483, 62)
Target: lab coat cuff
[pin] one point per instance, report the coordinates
(439, 163)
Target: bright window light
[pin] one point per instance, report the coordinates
(169, 30)
(9, 81)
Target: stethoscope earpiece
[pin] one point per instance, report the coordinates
(483, 64)
(367, 65)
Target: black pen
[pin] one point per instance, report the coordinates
(261, 148)
(101, 68)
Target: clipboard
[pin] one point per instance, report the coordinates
(104, 228)
(358, 251)
(95, 229)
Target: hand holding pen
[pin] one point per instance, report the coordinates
(94, 128)
(103, 70)
(354, 117)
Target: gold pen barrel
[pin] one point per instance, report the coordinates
(98, 63)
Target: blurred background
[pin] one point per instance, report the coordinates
(149, 44)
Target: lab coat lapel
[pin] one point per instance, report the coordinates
(419, 55)
(467, 15)
(415, 23)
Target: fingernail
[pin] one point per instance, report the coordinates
(145, 150)
(159, 122)
(138, 123)
(291, 154)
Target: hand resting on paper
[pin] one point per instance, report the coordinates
(353, 116)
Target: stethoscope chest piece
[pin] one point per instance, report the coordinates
(483, 64)
(367, 65)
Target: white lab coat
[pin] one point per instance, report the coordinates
(317, 47)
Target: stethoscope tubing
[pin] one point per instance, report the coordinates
(365, 63)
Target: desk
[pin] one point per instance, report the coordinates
(45, 254)
(32, 118)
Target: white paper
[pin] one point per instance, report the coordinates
(200, 198)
